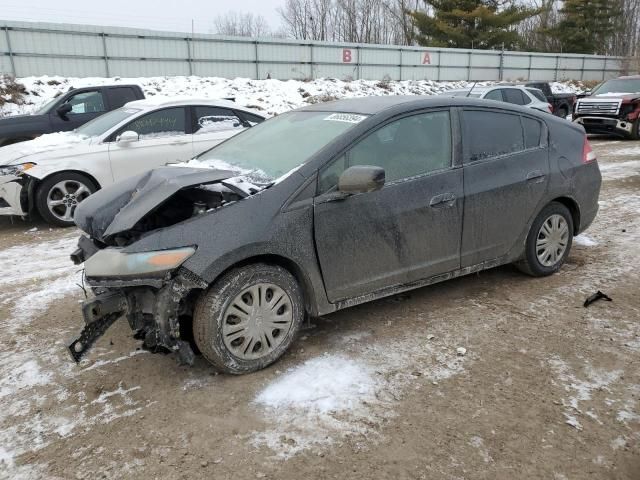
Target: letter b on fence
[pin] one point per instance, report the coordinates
(346, 55)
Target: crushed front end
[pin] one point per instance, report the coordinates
(151, 290)
(608, 115)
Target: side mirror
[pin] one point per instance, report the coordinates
(63, 109)
(128, 137)
(361, 179)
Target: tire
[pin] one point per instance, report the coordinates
(62, 188)
(217, 329)
(562, 112)
(536, 262)
(635, 130)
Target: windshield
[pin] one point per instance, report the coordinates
(102, 124)
(618, 86)
(275, 147)
(45, 108)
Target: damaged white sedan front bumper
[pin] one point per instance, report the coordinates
(11, 187)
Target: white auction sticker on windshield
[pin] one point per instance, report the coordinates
(346, 117)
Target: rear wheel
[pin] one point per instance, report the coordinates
(562, 111)
(635, 130)
(248, 318)
(548, 242)
(58, 196)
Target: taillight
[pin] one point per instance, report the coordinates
(588, 155)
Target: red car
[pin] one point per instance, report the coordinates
(613, 107)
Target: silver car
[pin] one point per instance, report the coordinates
(526, 97)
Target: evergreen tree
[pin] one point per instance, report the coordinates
(482, 24)
(587, 26)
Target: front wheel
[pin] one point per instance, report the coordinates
(548, 242)
(58, 196)
(635, 130)
(248, 318)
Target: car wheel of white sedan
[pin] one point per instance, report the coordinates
(58, 196)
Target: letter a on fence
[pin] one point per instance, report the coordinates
(426, 60)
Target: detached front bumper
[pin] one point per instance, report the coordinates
(153, 309)
(605, 125)
(11, 188)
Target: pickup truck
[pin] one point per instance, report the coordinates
(562, 103)
(67, 112)
(613, 107)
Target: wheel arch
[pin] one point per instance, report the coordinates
(574, 209)
(291, 266)
(71, 170)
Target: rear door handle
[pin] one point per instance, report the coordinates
(536, 176)
(443, 200)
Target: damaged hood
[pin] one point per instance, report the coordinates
(121, 206)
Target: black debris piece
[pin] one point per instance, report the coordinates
(597, 296)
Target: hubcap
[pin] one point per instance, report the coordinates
(257, 321)
(64, 197)
(552, 241)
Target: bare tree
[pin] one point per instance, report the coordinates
(241, 25)
(364, 21)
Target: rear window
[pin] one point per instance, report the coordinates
(250, 117)
(118, 96)
(537, 93)
(491, 134)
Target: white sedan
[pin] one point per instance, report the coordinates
(516, 94)
(55, 172)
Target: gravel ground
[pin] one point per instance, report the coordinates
(545, 388)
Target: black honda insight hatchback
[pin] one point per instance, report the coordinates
(326, 207)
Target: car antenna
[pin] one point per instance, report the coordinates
(471, 89)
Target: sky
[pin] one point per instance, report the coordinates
(168, 15)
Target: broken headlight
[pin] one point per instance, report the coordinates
(113, 262)
(15, 169)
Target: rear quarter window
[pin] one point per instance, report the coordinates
(533, 130)
(488, 134)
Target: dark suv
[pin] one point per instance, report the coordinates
(67, 112)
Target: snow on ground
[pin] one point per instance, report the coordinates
(268, 96)
(36, 274)
(33, 377)
(584, 241)
(332, 397)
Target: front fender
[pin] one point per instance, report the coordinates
(102, 176)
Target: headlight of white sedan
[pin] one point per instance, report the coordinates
(16, 169)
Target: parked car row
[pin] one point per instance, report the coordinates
(54, 173)
(313, 211)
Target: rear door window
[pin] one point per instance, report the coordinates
(515, 96)
(161, 123)
(250, 118)
(494, 95)
(214, 119)
(538, 94)
(118, 96)
(488, 134)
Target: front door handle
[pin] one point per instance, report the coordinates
(443, 200)
(536, 176)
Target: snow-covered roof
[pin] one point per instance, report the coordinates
(160, 101)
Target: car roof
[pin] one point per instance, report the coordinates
(627, 77)
(377, 104)
(151, 103)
